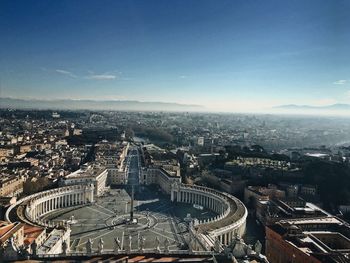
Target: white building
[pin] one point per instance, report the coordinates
(53, 243)
(88, 174)
(160, 177)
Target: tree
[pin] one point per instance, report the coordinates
(34, 186)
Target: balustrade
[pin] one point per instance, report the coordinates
(225, 205)
(39, 204)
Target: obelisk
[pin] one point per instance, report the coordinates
(132, 205)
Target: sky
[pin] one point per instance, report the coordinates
(225, 55)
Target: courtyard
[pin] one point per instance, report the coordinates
(159, 221)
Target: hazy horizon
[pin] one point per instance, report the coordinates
(339, 110)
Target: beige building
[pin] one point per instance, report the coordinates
(6, 152)
(117, 176)
(256, 193)
(11, 186)
(113, 157)
(259, 162)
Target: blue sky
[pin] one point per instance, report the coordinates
(225, 55)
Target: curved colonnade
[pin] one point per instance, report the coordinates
(35, 206)
(231, 218)
(207, 234)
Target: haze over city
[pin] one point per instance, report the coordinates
(211, 131)
(230, 56)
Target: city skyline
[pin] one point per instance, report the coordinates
(226, 56)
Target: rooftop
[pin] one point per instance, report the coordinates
(7, 230)
(52, 239)
(87, 172)
(31, 233)
(326, 235)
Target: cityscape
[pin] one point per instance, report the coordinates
(82, 183)
(175, 131)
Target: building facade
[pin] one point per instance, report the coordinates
(311, 240)
(11, 186)
(86, 175)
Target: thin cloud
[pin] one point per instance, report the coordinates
(102, 77)
(92, 75)
(65, 72)
(340, 82)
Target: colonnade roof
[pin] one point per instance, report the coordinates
(89, 172)
(237, 212)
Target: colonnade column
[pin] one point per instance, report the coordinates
(91, 195)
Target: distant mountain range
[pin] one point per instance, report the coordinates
(332, 107)
(123, 105)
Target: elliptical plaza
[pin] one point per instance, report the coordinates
(152, 211)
